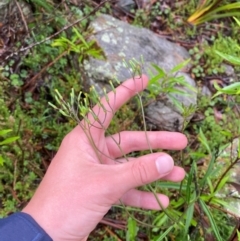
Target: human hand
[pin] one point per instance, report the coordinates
(84, 179)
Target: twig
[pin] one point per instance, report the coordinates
(113, 234)
(112, 224)
(23, 18)
(57, 33)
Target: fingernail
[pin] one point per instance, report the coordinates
(164, 164)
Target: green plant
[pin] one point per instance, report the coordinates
(46, 5)
(213, 61)
(167, 83)
(197, 55)
(199, 200)
(132, 230)
(145, 16)
(206, 61)
(141, 18)
(233, 58)
(23, 161)
(6, 141)
(208, 10)
(79, 45)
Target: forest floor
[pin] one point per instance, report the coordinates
(31, 68)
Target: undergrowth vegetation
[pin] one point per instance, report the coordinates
(46, 67)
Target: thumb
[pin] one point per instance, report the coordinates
(144, 170)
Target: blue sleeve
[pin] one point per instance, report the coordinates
(21, 227)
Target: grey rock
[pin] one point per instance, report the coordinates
(119, 41)
(205, 91)
(126, 5)
(228, 70)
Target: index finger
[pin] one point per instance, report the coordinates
(101, 115)
(129, 141)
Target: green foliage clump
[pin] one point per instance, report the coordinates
(210, 10)
(144, 17)
(206, 62)
(226, 45)
(26, 159)
(217, 131)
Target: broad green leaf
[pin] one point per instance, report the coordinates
(202, 138)
(189, 217)
(208, 11)
(4, 132)
(80, 37)
(132, 229)
(210, 185)
(44, 4)
(230, 58)
(209, 171)
(233, 89)
(222, 183)
(237, 21)
(199, 12)
(209, 17)
(158, 69)
(155, 80)
(178, 203)
(1, 160)
(238, 235)
(176, 103)
(9, 140)
(179, 66)
(189, 182)
(211, 220)
(234, 86)
(228, 7)
(221, 201)
(162, 236)
(159, 221)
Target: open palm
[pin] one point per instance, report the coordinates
(89, 172)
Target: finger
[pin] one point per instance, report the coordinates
(102, 114)
(128, 141)
(143, 170)
(146, 200)
(176, 175)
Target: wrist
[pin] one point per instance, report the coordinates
(55, 230)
